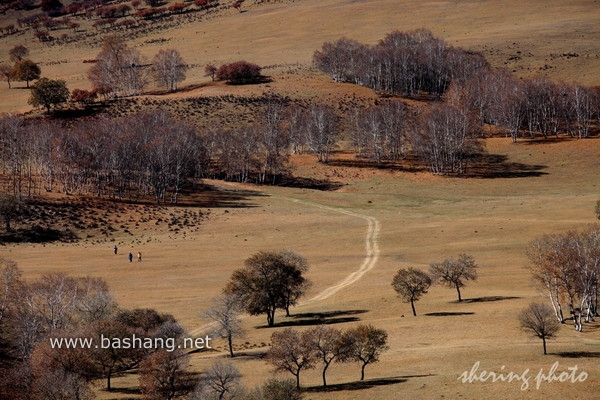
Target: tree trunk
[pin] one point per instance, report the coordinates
(544, 341)
(458, 290)
(108, 374)
(324, 374)
(412, 304)
(298, 380)
(230, 341)
(362, 372)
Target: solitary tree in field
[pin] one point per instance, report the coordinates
(454, 273)
(210, 70)
(168, 68)
(538, 319)
(239, 73)
(364, 344)
(411, 284)
(18, 53)
(26, 70)
(48, 93)
(269, 281)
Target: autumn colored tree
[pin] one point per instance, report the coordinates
(168, 68)
(239, 73)
(163, 375)
(454, 272)
(84, 97)
(26, 70)
(290, 352)
(538, 320)
(411, 284)
(48, 93)
(364, 344)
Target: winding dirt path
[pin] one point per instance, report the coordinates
(369, 261)
(371, 252)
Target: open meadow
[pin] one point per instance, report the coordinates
(378, 219)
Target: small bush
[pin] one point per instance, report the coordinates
(239, 73)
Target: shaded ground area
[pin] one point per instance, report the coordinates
(360, 385)
(72, 218)
(322, 318)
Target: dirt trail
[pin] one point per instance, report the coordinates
(371, 252)
(369, 261)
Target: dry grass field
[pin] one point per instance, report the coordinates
(539, 188)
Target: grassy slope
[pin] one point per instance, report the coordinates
(424, 219)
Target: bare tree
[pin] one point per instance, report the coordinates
(321, 131)
(454, 273)
(326, 344)
(538, 320)
(290, 352)
(363, 343)
(11, 285)
(446, 139)
(567, 267)
(6, 72)
(411, 284)
(224, 314)
(168, 68)
(221, 381)
(119, 68)
(18, 53)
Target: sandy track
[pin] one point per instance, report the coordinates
(369, 261)
(371, 252)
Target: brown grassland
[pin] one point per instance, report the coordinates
(538, 188)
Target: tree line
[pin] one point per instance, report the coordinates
(416, 64)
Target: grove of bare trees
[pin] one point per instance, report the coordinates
(416, 64)
(566, 267)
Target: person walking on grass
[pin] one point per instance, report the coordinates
(116, 250)
(139, 256)
(130, 256)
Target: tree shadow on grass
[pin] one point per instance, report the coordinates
(486, 299)
(579, 354)
(360, 385)
(491, 166)
(309, 183)
(322, 318)
(38, 234)
(206, 195)
(448, 314)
